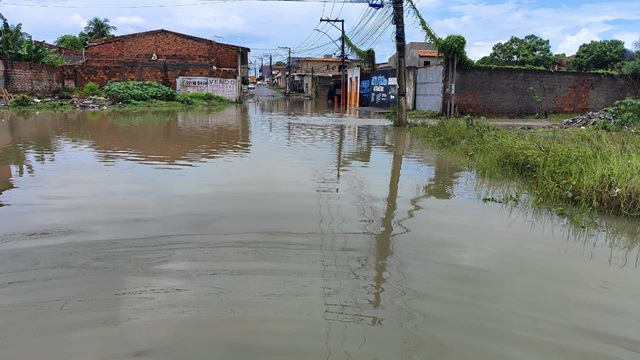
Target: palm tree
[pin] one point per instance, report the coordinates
(97, 29)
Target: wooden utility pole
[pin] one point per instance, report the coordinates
(343, 84)
(398, 19)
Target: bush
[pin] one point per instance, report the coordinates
(626, 113)
(21, 101)
(632, 69)
(64, 92)
(91, 89)
(200, 97)
(127, 92)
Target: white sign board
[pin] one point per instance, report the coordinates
(227, 88)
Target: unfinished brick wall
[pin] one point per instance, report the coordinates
(25, 77)
(167, 46)
(516, 92)
(165, 73)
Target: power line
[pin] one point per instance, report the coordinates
(200, 3)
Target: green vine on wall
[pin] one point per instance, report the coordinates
(368, 56)
(453, 46)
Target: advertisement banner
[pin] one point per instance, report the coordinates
(227, 88)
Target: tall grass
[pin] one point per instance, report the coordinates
(591, 169)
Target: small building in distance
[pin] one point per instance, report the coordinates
(158, 55)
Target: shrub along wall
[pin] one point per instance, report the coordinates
(512, 92)
(162, 72)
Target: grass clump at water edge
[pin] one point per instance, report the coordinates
(591, 169)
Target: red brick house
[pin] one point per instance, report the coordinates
(157, 55)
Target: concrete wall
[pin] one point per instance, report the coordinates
(24, 77)
(515, 92)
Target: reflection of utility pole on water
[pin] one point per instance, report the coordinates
(383, 239)
(354, 280)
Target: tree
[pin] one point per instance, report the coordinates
(636, 47)
(73, 42)
(16, 45)
(530, 51)
(599, 55)
(11, 39)
(280, 63)
(97, 29)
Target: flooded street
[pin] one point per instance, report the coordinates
(279, 229)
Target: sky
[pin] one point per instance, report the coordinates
(270, 27)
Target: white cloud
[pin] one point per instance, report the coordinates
(129, 20)
(76, 20)
(570, 43)
(267, 25)
(628, 37)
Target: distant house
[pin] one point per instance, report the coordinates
(274, 74)
(326, 65)
(69, 56)
(418, 54)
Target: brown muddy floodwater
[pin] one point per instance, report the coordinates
(281, 230)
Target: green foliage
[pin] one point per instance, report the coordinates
(429, 33)
(72, 42)
(632, 68)
(453, 47)
(97, 28)
(127, 92)
(280, 63)
(199, 98)
(530, 51)
(21, 100)
(599, 55)
(91, 89)
(587, 168)
(424, 114)
(368, 56)
(626, 113)
(16, 45)
(526, 67)
(11, 39)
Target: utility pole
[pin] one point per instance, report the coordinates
(289, 73)
(270, 71)
(343, 90)
(261, 68)
(398, 19)
(288, 86)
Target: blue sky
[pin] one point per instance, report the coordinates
(265, 26)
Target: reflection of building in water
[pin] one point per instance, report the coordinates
(171, 137)
(163, 136)
(291, 106)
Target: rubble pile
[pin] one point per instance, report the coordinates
(94, 103)
(589, 119)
